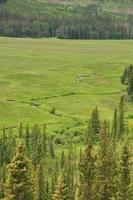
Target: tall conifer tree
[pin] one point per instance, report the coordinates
(87, 174)
(104, 185)
(18, 184)
(94, 126)
(125, 176)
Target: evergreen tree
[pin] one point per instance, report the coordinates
(94, 126)
(48, 192)
(130, 87)
(44, 140)
(125, 176)
(51, 148)
(5, 153)
(61, 190)
(18, 184)
(106, 168)
(115, 128)
(21, 130)
(124, 77)
(36, 146)
(62, 159)
(121, 128)
(27, 137)
(87, 174)
(2, 180)
(40, 192)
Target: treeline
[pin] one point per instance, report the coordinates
(34, 19)
(37, 170)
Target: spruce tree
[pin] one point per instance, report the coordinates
(21, 130)
(48, 191)
(62, 159)
(51, 148)
(87, 174)
(40, 193)
(124, 192)
(27, 137)
(115, 128)
(44, 140)
(106, 168)
(61, 190)
(124, 77)
(94, 126)
(121, 128)
(130, 87)
(2, 181)
(18, 183)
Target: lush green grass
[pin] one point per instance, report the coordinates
(34, 69)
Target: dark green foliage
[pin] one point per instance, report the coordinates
(51, 148)
(5, 148)
(127, 79)
(44, 140)
(124, 77)
(87, 172)
(124, 191)
(104, 185)
(2, 180)
(62, 160)
(115, 128)
(21, 130)
(94, 126)
(121, 128)
(27, 137)
(3, 1)
(35, 19)
(40, 190)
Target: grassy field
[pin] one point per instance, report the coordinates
(59, 82)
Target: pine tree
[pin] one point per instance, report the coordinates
(124, 77)
(51, 148)
(121, 128)
(62, 159)
(130, 87)
(44, 140)
(115, 128)
(70, 168)
(36, 146)
(106, 168)
(61, 190)
(55, 174)
(2, 180)
(4, 148)
(94, 126)
(27, 137)
(18, 184)
(125, 176)
(40, 192)
(21, 130)
(87, 174)
(48, 192)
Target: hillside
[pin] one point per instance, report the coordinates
(67, 19)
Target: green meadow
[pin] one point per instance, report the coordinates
(59, 82)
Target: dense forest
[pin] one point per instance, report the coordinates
(99, 168)
(68, 21)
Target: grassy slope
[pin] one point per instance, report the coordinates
(31, 69)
